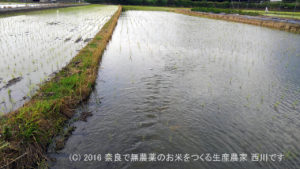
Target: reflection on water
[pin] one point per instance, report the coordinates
(171, 83)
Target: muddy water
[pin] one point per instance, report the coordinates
(35, 45)
(171, 83)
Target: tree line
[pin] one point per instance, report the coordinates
(242, 4)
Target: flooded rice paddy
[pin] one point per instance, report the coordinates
(16, 5)
(35, 45)
(170, 83)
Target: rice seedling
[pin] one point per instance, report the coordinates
(170, 138)
(290, 155)
(248, 97)
(295, 104)
(276, 105)
(203, 105)
(9, 93)
(282, 96)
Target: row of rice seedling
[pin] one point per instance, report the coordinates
(34, 46)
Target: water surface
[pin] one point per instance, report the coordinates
(170, 83)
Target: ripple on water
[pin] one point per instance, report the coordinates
(172, 83)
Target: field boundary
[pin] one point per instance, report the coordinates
(289, 27)
(26, 132)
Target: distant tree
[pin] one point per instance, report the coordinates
(171, 2)
(159, 2)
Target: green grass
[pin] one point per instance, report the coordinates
(281, 14)
(227, 11)
(62, 88)
(149, 8)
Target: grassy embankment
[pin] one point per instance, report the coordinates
(227, 11)
(26, 132)
(149, 8)
(280, 14)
